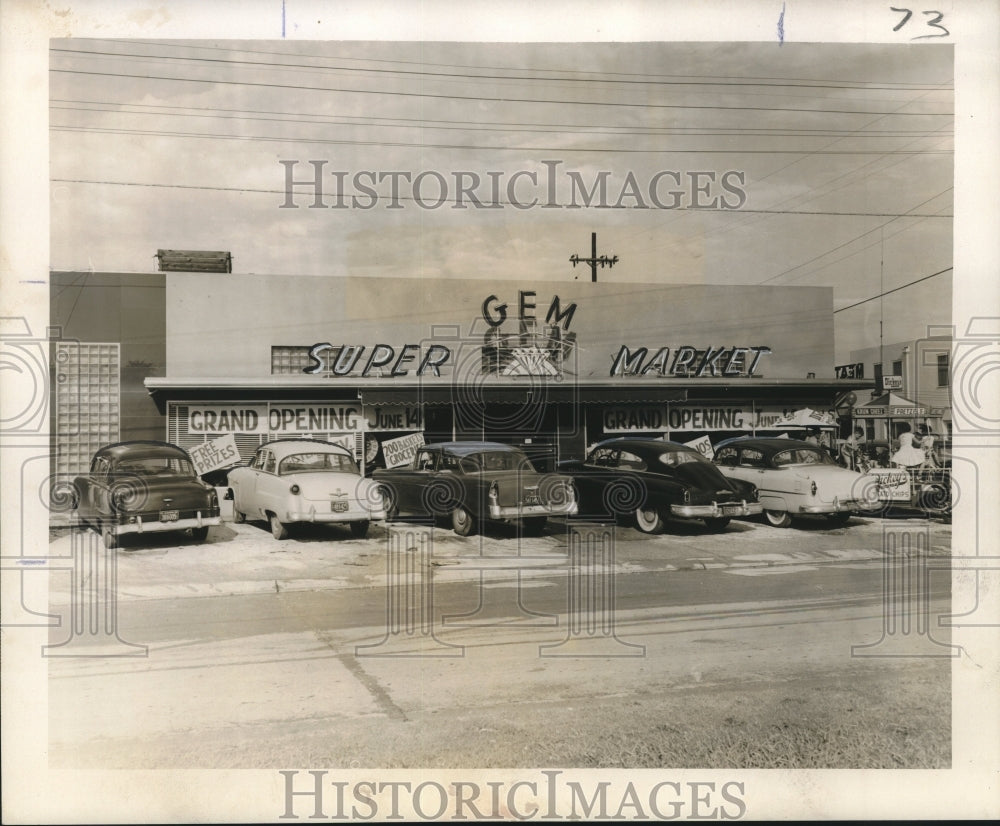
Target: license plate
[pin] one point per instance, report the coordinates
(731, 508)
(169, 516)
(338, 507)
(530, 499)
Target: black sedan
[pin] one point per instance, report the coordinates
(144, 487)
(475, 482)
(653, 480)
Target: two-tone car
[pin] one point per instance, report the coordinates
(652, 481)
(472, 483)
(141, 487)
(797, 478)
(290, 481)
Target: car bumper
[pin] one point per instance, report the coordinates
(716, 511)
(314, 515)
(153, 526)
(840, 506)
(521, 511)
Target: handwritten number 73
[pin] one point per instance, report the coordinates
(935, 22)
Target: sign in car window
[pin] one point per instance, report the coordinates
(401, 451)
(218, 453)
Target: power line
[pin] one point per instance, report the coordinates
(482, 99)
(908, 213)
(894, 289)
(465, 76)
(578, 129)
(379, 197)
(478, 147)
(230, 50)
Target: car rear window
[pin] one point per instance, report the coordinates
(312, 462)
(155, 466)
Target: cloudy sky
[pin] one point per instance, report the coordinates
(720, 163)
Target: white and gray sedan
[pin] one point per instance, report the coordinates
(797, 478)
(304, 480)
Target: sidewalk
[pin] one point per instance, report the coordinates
(245, 559)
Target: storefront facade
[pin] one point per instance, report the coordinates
(383, 365)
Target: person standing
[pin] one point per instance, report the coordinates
(927, 446)
(908, 454)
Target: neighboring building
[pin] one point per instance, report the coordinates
(917, 374)
(111, 336)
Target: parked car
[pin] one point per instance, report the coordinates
(797, 478)
(304, 480)
(655, 480)
(144, 487)
(476, 482)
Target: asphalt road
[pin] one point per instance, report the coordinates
(479, 626)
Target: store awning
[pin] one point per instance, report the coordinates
(892, 406)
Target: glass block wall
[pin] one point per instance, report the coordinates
(86, 402)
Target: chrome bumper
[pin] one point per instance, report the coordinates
(715, 510)
(519, 511)
(139, 526)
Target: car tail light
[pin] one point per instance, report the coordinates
(494, 491)
(813, 488)
(687, 496)
(294, 490)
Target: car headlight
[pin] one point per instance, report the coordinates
(294, 490)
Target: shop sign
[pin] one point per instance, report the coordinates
(886, 412)
(850, 371)
(386, 417)
(218, 453)
(380, 360)
(893, 484)
(689, 417)
(703, 446)
(224, 418)
(272, 418)
(401, 451)
(892, 382)
(687, 362)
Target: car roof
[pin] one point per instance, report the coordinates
(141, 447)
(467, 448)
(772, 444)
(286, 447)
(634, 443)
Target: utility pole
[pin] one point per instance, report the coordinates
(604, 261)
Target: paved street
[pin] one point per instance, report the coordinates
(250, 648)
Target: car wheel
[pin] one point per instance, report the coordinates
(390, 504)
(648, 520)
(239, 517)
(462, 522)
(199, 534)
(534, 525)
(359, 529)
(278, 529)
(717, 523)
(110, 540)
(840, 518)
(779, 519)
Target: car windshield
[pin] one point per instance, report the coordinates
(312, 462)
(496, 460)
(803, 456)
(155, 466)
(673, 458)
